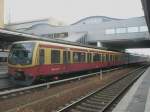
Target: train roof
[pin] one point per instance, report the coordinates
(72, 45)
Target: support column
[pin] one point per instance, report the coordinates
(99, 44)
(1, 13)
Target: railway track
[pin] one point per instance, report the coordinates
(7, 90)
(101, 99)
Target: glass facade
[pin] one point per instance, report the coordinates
(110, 31)
(121, 30)
(143, 28)
(132, 29)
(126, 30)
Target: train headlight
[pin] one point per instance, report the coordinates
(19, 75)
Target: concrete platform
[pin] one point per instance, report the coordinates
(138, 97)
(3, 75)
(3, 71)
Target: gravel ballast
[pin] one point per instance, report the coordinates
(47, 100)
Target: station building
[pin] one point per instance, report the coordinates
(95, 30)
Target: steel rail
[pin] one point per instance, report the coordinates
(80, 101)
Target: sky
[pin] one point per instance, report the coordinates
(70, 11)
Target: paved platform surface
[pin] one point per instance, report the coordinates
(138, 97)
(3, 71)
(4, 79)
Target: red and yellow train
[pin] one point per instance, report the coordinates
(29, 60)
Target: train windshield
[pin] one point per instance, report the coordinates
(21, 53)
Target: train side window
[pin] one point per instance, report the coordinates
(89, 57)
(107, 57)
(114, 58)
(41, 56)
(78, 57)
(82, 57)
(110, 57)
(103, 57)
(55, 56)
(66, 57)
(95, 57)
(100, 57)
(69, 56)
(118, 57)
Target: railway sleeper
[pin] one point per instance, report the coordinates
(73, 110)
(106, 92)
(96, 102)
(100, 99)
(114, 91)
(88, 105)
(85, 109)
(105, 95)
(116, 86)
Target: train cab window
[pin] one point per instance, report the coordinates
(66, 57)
(89, 57)
(41, 56)
(55, 56)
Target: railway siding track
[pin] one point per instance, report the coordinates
(103, 98)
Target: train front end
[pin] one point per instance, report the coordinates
(22, 63)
